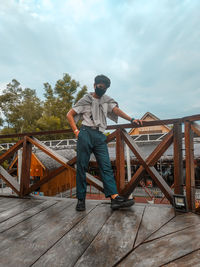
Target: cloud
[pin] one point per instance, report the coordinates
(149, 49)
(2, 86)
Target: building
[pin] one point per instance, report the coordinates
(148, 116)
(42, 165)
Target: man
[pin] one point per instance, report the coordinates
(93, 109)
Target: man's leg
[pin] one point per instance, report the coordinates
(100, 151)
(83, 157)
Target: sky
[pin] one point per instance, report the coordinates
(150, 49)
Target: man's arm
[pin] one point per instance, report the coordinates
(123, 115)
(70, 117)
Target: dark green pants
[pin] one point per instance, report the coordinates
(93, 141)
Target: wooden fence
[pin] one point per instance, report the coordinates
(175, 137)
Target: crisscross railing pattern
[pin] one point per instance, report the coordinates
(175, 137)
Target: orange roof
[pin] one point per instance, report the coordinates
(148, 116)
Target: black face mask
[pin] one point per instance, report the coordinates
(100, 91)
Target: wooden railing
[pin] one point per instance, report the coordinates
(121, 136)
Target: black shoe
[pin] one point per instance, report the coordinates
(80, 205)
(121, 202)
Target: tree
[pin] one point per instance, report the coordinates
(30, 110)
(1, 121)
(64, 90)
(57, 103)
(48, 123)
(81, 93)
(21, 108)
(50, 107)
(10, 100)
(8, 130)
(25, 112)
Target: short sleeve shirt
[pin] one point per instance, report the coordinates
(87, 113)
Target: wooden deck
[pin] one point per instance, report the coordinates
(49, 232)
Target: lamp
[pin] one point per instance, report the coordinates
(180, 203)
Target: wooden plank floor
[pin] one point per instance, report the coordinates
(50, 232)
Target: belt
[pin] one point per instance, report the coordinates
(91, 127)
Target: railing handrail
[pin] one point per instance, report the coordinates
(35, 133)
(146, 164)
(110, 127)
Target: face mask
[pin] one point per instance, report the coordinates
(99, 91)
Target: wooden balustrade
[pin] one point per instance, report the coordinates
(121, 136)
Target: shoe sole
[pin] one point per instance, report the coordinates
(80, 209)
(123, 205)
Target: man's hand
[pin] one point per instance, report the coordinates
(138, 122)
(76, 133)
(70, 117)
(123, 115)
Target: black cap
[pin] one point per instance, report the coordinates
(102, 79)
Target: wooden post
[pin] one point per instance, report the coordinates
(26, 164)
(178, 159)
(190, 180)
(120, 161)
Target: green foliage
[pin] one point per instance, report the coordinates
(59, 101)
(81, 93)
(46, 123)
(1, 121)
(5, 164)
(50, 107)
(10, 100)
(30, 110)
(25, 112)
(64, 91)
(21, 108)
(5, 131)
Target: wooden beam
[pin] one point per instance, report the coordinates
(195, 128)
(190, 179)
(13, 162)
(90, 179)
(178, 159)
(191, 118)
(111, 137)
(11, 151)
(26, 164)
(151, 170)
(46, 179)
(36, 133)
(172, 186)
(130, 125)
(160, 149)
(53, 154)
(63, 161)
(145, 124)
(72, 161)
(151, 160)
(161, 183)
(94, 182)
(120, 162)
(9, 180)
(132, 184)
